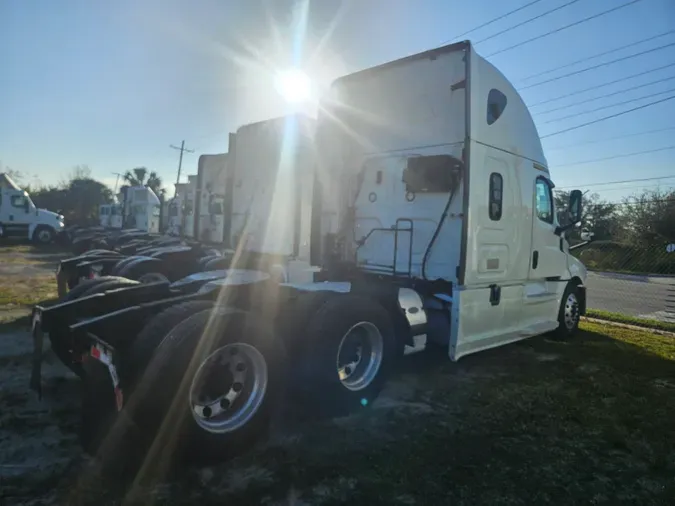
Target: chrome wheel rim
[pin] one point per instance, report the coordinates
(44, 236)
(228, 388)
(571, 312)
(359, 356)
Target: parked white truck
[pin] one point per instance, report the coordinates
(188, 207)
(273, 183)
(213, 172)
(110, 216)
(21, 219)
(141, 208)
(434, 227)
(174, 211)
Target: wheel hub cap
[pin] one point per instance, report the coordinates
(359, 356)
(228, 388)
(571, 315)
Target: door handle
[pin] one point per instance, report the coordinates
(535, 259)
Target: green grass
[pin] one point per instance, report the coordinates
(587, 421)
(630, 320)
(20, 290)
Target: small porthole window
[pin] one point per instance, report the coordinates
(496, 103)
(496, 196)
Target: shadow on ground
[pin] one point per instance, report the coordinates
(538, 422)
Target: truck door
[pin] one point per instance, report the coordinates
(548, 261)
(16, 218)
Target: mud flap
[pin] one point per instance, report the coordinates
(38, 341)
(104, 354)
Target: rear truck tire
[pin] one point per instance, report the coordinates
(211, 387)
(144, 266)
(569, 313)
(101, 244)
(153, 333)
(153, 277)
(112, 284)
(82, 287)
(350, 351)
(99, 412)
(44, 234)
(120, 265)
(293, 321)
(216, 264)
(201, 263)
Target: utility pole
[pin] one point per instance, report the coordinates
(116, 181)
(182, 149)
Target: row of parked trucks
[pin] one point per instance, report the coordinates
(416, 213)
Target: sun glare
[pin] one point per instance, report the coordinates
(293, 85)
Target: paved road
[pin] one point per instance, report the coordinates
(632, 295)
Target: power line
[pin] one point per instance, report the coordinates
(498, 18)
(583, 162)
(598, 55)
(654, 201)
(622, 181)
(518, 25)
(596, 141)
(607, 117)
(641, 187)
(589, 18)
(599, 65)
(607, 95)
(639, 74)
(608, 106)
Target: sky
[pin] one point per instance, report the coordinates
(113, 84)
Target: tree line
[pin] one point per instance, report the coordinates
(78, 196)
(631, 235)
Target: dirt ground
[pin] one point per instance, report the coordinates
(589, 421)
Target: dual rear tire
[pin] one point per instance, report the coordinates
(210, 384)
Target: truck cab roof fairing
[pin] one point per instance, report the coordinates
(523, 140)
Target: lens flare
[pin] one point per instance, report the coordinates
(293, 85)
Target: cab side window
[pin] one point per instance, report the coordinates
(496, 196)
(496, 104)
(18, 201)
(544, 200)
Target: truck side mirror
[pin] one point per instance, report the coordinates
(573, 212)
(574, 208)
(26, 207)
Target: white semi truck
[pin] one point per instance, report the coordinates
(433, 223)
(188, 207)
(174, 211)
(213, 172)
(110, 216)
(141, 209)
(20, 218)
(273, 182)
